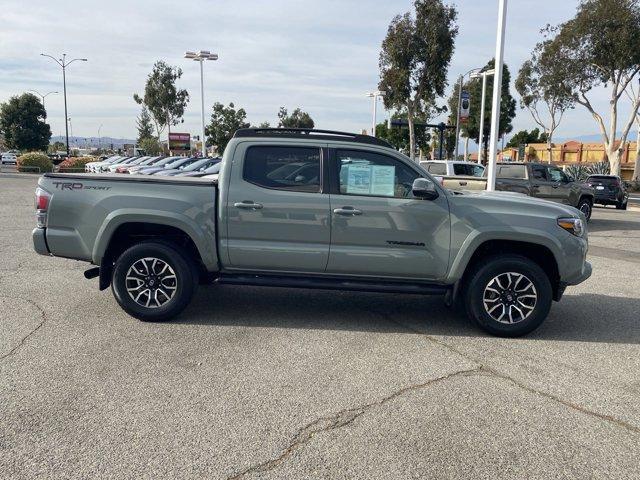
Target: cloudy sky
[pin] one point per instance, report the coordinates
(321, 56)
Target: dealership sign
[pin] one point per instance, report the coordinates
(179, 142)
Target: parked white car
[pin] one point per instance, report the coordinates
(9, 158)
(94, 166)
(453, 168)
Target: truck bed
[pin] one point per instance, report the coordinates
(86, 210)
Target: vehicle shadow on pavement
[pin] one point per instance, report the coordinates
(583, 317)
(622, 222)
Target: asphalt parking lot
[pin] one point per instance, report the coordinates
(278, 383)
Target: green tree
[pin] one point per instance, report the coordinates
(263, 125)
(22, 123)
(297, 119)
(162, 98)
(57, 147)
(524, 137)
(144, 125)
(414, 61)
(398, 137)
(541, 83)
(600, 47)
(224, 123)
(151, 145)
(471, 128)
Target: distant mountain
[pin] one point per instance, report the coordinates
(93, 142)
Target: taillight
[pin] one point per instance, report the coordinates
(42, 205)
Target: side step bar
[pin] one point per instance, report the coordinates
(362, 285)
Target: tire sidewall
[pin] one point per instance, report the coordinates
(587, 202)
(176, 260)
(494, 267)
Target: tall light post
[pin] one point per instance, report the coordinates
(41, 95)
(460, 81)
(497, 95)
(201, 56)
(484, 74)
(375, 95)
(64, 63)
(99, 137)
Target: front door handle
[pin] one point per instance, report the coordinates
(347, 211)
(248, 205)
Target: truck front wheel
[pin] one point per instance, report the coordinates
(153, 281)
(508, 295)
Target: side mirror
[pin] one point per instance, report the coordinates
(424, 188)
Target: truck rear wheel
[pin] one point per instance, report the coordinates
(508, 295)
(153, 281)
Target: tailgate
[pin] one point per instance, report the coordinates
(464, 182)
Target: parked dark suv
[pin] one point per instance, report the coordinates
(609, 190)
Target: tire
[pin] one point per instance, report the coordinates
(177, 280)
(621, 206)
(586, 207)
(522, 273)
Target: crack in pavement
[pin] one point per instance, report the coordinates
(493, 372)
(33, 331)
(339, 420)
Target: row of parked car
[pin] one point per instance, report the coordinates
(164, 166)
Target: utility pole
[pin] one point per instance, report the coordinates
(484, 75)
(41, 96)
(497, 95)
(460, 81)
(375, 95)
(64, 64)
(201, 56)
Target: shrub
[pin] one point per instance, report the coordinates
(74, 164)
(578, 172)
(34, 162)
(601, 168)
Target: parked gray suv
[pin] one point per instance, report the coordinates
(314, 209)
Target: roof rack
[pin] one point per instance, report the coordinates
(310, 133)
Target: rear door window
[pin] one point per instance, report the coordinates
(511, 171)
(437, 168)
(468, 170)
(283, 168)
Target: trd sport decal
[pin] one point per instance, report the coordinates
(78, 186)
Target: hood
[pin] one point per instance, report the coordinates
(511, 200)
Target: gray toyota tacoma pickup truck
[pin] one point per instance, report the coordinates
(314, 209)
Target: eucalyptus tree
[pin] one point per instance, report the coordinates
(414, 61)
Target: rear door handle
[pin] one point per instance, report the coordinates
(248, 205)
(462, 184)
(347, 211)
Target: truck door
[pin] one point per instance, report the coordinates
(277, 216)
(378, 228)
(541, 187)
(560, 185)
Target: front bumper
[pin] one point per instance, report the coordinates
(39, 241)
(581, 276)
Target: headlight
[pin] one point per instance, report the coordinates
(574, 226)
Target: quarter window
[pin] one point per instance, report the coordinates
(283, 168)
(373, 174)
(437, 168)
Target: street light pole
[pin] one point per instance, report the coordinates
(375, 95)
(497, 95)
(201, 56)
(99, 138)
(41, 96)
(484, 75)
(458, 109)
(64, 64)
